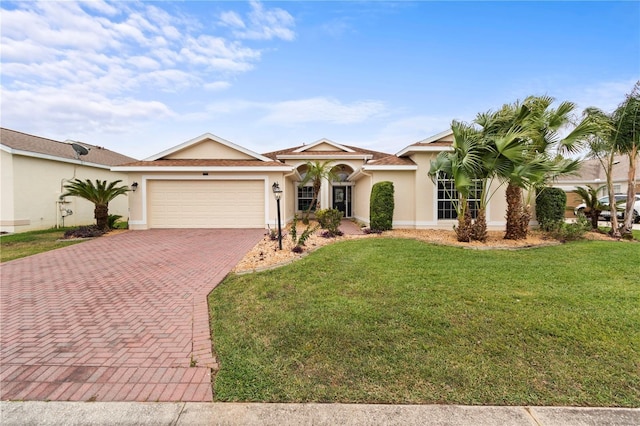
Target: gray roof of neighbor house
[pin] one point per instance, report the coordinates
(20, 142)
(592, 171)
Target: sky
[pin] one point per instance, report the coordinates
(139, 77)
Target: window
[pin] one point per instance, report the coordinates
(448, 198)
(305, 197)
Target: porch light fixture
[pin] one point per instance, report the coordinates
(134, 186)
(277, 192)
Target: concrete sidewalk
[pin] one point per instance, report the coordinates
(194, 413)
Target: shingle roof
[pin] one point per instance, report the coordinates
(392, 160)
(24, 142)
(204, 163)
(592, 170)
(438, 143)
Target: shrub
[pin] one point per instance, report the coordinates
(84, 232)
(570, 231)
(329, 234)
(329, 219)
(112, 219)
(550, 207)
(381, 206)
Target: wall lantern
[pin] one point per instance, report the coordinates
(134, 186)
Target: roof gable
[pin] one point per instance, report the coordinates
(208, 147)
(324, 145)
(18, 143)
(439, 142)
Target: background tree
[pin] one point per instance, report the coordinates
(316, 172)
(626, 119)
(602, 147)
(593, 207)
(99, 194)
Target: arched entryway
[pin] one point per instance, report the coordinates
(342, 190)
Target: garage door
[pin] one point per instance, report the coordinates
(206, 204)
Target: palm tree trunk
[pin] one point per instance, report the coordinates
(463, 230)
(594, 215)
(479, 229)
(101, 214)
(627, 228)
(514, 213)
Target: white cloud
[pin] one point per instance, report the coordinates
(231, 19)
(604, 95)
(263, 24)
(83, 64)
(69, 112)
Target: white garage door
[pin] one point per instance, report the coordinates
(206, 203)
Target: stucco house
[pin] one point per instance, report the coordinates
(209, 182)
(591, 173)
(34, 171)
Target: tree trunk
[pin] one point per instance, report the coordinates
(101, 214)
(613, 216)
(627, 228)
(514, 213)
(479, 229)
(594, 215)
(463, 230)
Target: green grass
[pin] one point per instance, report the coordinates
(15, 246)
(400, 321)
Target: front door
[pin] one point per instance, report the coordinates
(342, 199)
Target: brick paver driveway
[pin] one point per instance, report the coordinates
(118, 318)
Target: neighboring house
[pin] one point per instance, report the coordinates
(34, 171)
(591, 173)
(209, 182)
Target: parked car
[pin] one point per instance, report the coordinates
(621, 205)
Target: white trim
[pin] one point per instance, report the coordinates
(436, 148)
(437, 136)
(282, 168)
(430, 139)
(53, 158)
(202, 138)
(145, 178)
(327, 156)
(389, 167)
(320, 142)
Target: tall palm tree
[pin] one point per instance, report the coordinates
(99, 194)
(522, 138)
(465, 167)
(602, 147)
(627, 139)
(316, 172)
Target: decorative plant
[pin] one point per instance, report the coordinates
(329, 219)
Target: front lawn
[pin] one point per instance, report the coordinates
(15, 246)
(400, 321)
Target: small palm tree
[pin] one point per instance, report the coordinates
(316, 172)
(99, 194)
(593, 206)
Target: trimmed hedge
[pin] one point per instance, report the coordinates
(381, 206)
(550, 207)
